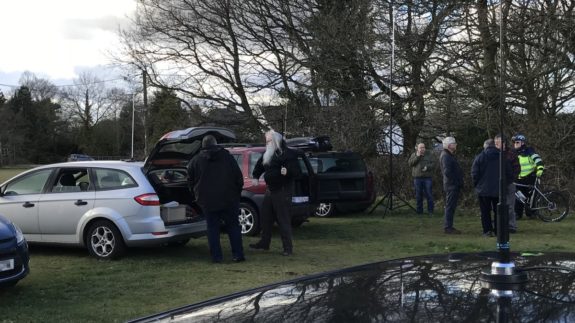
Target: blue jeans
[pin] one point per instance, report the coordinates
(423, 189)
(230, 218)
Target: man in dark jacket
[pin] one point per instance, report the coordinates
(511, 156)
(485, 176)
(217, 181)
(452, 182)
(280, 167)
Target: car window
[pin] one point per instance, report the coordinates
(302, 165)
(254, 156)
(337, 164)
(72, 180)
(239, 159)
(113, 179)
(187, 148)
(28, 184)
(167, 176)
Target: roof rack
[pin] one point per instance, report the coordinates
(320, 143)
(238, 144)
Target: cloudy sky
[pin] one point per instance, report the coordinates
(57, 39)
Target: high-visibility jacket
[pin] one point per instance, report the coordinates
(529, 162)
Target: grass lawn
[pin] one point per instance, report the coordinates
(67, 285)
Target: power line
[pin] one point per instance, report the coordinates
(70, 85)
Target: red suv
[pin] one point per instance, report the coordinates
(253, 195)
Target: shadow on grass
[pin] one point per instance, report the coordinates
(191, 251)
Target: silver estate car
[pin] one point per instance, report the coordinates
(107, 206)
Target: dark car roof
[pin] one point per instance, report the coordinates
(179, 146)
(435, 288)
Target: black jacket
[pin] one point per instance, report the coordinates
(451, 171)
(215, 179)
(275, 181)
(485, 172)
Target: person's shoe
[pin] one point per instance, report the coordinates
(451, 231)
(512, 230)
(238, 259)
(258, 246)
(286, 253)
(488, 234)
(217, 261)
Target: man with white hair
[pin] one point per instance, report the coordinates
(280, 167)
(452, 182)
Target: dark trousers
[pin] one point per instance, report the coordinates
(519, 206)
(231, 221)
(488, 204)
(451, 198)
(423, 189)
(276, 207)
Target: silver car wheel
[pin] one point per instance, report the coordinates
(246, 220)
(324, 209)
(103, 241)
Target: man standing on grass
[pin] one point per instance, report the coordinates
(217, 181)
(485, 176)
(280, 167)
(452, 182)
(422, 166)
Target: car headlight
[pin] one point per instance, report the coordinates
(19, 234)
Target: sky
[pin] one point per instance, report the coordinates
(58, 39)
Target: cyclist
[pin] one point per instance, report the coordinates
(531, 166)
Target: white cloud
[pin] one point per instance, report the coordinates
(55, 37)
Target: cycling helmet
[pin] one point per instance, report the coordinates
(519, 137)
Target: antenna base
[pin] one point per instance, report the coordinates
(504, 276)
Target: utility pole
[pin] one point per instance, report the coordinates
(145, 112)
(133, 117)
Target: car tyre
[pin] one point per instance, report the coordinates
(249, 219)
(324, 210)
(104, 240)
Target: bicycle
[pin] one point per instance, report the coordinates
(549, 206)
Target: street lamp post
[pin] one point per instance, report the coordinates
(133, 117)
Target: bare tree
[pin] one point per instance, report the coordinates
(40, 89)
(89, 100)
(193, 47)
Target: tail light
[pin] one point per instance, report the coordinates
(148, 199)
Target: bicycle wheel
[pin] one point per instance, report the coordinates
(552, 206)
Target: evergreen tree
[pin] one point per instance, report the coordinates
(166, 114)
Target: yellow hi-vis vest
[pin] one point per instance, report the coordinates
(529, 165)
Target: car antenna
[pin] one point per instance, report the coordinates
(387, 199)
(503, 277)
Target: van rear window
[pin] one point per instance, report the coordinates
(335, 164)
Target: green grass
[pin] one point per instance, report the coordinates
(7, 173)
(66, 285)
